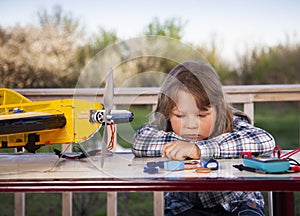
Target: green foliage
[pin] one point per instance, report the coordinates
(61, 21)
(103, 39)
(281, 120)
(97, 42)
(212, 56)
(135, 204)
(84, 204)
(140, 118)
(52, 54)
(272, 65)
(35, 203)
(172, 28)
(40, 56)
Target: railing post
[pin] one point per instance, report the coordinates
(158, 204)
(19, 209)
(158, 197)
(112, 203)
(270, 203)
(67, 197)
(67, 203)
(249, 110)
(19, 199)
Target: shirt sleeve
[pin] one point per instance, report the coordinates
(244, 138)
(149, 141)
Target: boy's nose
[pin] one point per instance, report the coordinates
(192, 123)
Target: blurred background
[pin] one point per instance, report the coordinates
(248, 42)
(46, 44)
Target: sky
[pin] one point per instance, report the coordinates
(235, 25)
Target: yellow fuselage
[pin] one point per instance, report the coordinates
(76, 113)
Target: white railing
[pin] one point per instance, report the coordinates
(246, 95)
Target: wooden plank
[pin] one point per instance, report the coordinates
(272, 97)
(236, 94)
(112, 203)
(249, 110)
(67, 203)
(19, 209)
(245, 89)
(158, 203)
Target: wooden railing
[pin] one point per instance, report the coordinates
(246, 95)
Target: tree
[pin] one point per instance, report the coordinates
(97, 42)
(40, 56)
(172, 28)
(271, 65)
(151, 61)
(211, 54)
(63, 22)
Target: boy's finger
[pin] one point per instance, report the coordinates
(163, 151)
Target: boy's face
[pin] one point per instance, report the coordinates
(188, 121)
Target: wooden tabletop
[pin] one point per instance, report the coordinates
(25, 172)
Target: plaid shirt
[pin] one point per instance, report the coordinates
(149, 141)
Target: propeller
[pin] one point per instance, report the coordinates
(106, 117)
(108, 104)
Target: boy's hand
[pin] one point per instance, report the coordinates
(180, 150)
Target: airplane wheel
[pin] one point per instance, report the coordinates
(19, 149)
(30, 146)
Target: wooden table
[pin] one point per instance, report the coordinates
(24, 172)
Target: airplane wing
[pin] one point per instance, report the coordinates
(31, 121)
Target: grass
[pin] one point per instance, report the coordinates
(126, 131)
(282, 120)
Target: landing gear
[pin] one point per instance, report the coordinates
(32, 139)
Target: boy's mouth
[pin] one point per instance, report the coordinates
(192, 136)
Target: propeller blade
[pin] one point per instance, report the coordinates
(109, 92)
(103, 144)
(108, 104)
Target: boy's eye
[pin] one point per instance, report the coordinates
(178, 115)
(203, 115)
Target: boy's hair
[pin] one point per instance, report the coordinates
(200, 80)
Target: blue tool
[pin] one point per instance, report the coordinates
(151, 170)
(209, 163)
(152, 167)
(168, 165)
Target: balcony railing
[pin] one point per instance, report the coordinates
(246, 95)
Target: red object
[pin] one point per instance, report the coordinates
(246, 154)
(290, 153)
(295, 168)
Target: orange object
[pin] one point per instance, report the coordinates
(202, 170)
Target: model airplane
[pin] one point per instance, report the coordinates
(28, 124)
